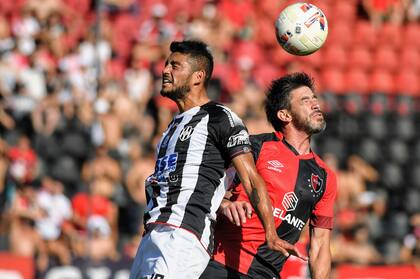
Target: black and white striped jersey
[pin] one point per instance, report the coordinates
(192, 157)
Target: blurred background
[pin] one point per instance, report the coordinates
(80, 116)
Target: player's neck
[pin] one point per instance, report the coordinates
(193, 99)
(300, 140)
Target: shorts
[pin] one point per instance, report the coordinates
(216, 270)
(168, 252)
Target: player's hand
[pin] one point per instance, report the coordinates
(237, 211)
(284, 247)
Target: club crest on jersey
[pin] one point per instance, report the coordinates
(186, 133)
(316, 182)
(240, 138)
(290, 201)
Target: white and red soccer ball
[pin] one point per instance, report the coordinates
(301, 28)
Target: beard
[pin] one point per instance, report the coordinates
(178, 93)
(305, 124)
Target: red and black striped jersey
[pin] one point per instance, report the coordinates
(300, 187)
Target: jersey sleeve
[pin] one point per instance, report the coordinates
(323, 213)
(233, 134)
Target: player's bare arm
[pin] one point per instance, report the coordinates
(255, 188)
(319, 253)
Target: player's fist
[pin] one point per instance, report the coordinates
(236, 211)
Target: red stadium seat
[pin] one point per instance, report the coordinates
(407, 83)
(411, 35)
(385, 58)
(340, 34)
(381, 81)
(342, 11)
(389, 35)
(364, 34)
(357, 80)
(333, 80)
(409, 58)
(335, 56)
(360, 57)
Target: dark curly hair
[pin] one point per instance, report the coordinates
(278, 95)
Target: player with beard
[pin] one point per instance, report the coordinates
(187, 185)
(300, 186)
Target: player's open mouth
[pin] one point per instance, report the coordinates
(166, 81)
(317, 114)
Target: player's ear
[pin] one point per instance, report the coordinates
(284, 115)
(198, 77)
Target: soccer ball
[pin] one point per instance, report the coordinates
(301, 28)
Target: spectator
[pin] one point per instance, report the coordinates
(23, 161)
(55, 210)
(24, 239)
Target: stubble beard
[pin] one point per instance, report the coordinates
(176, 94)
(305, 124)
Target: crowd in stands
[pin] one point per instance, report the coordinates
(81, 114)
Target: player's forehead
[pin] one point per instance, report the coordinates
(177, 57)
(301, 92)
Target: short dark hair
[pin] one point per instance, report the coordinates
(199, 52)
(278, 95)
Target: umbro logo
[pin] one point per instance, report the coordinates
(275, 165)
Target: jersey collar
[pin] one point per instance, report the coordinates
(281, 138)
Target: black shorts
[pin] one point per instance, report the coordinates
(216, 270)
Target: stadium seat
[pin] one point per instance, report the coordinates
(385, 58)
(360, 57)
(389, 34)
(404, 105)
(381, 81)
(391, 176)
(353, 103)
(334, 56)
(369, 150)
(329, 102)
(409, 58)
(398, 151)
(348, 125)
(340, 34)
(343, 11)
(398, 226)
(334, 146)
(375, 126)
(364, 34)
(411, 35)
(407, 82)
(403, 127)
(379, 103)
(412, 201)
(332, 80)
(357, 80)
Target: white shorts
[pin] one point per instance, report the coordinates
(169, 253)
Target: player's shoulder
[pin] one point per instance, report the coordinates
(219, 111)
(264, 137)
